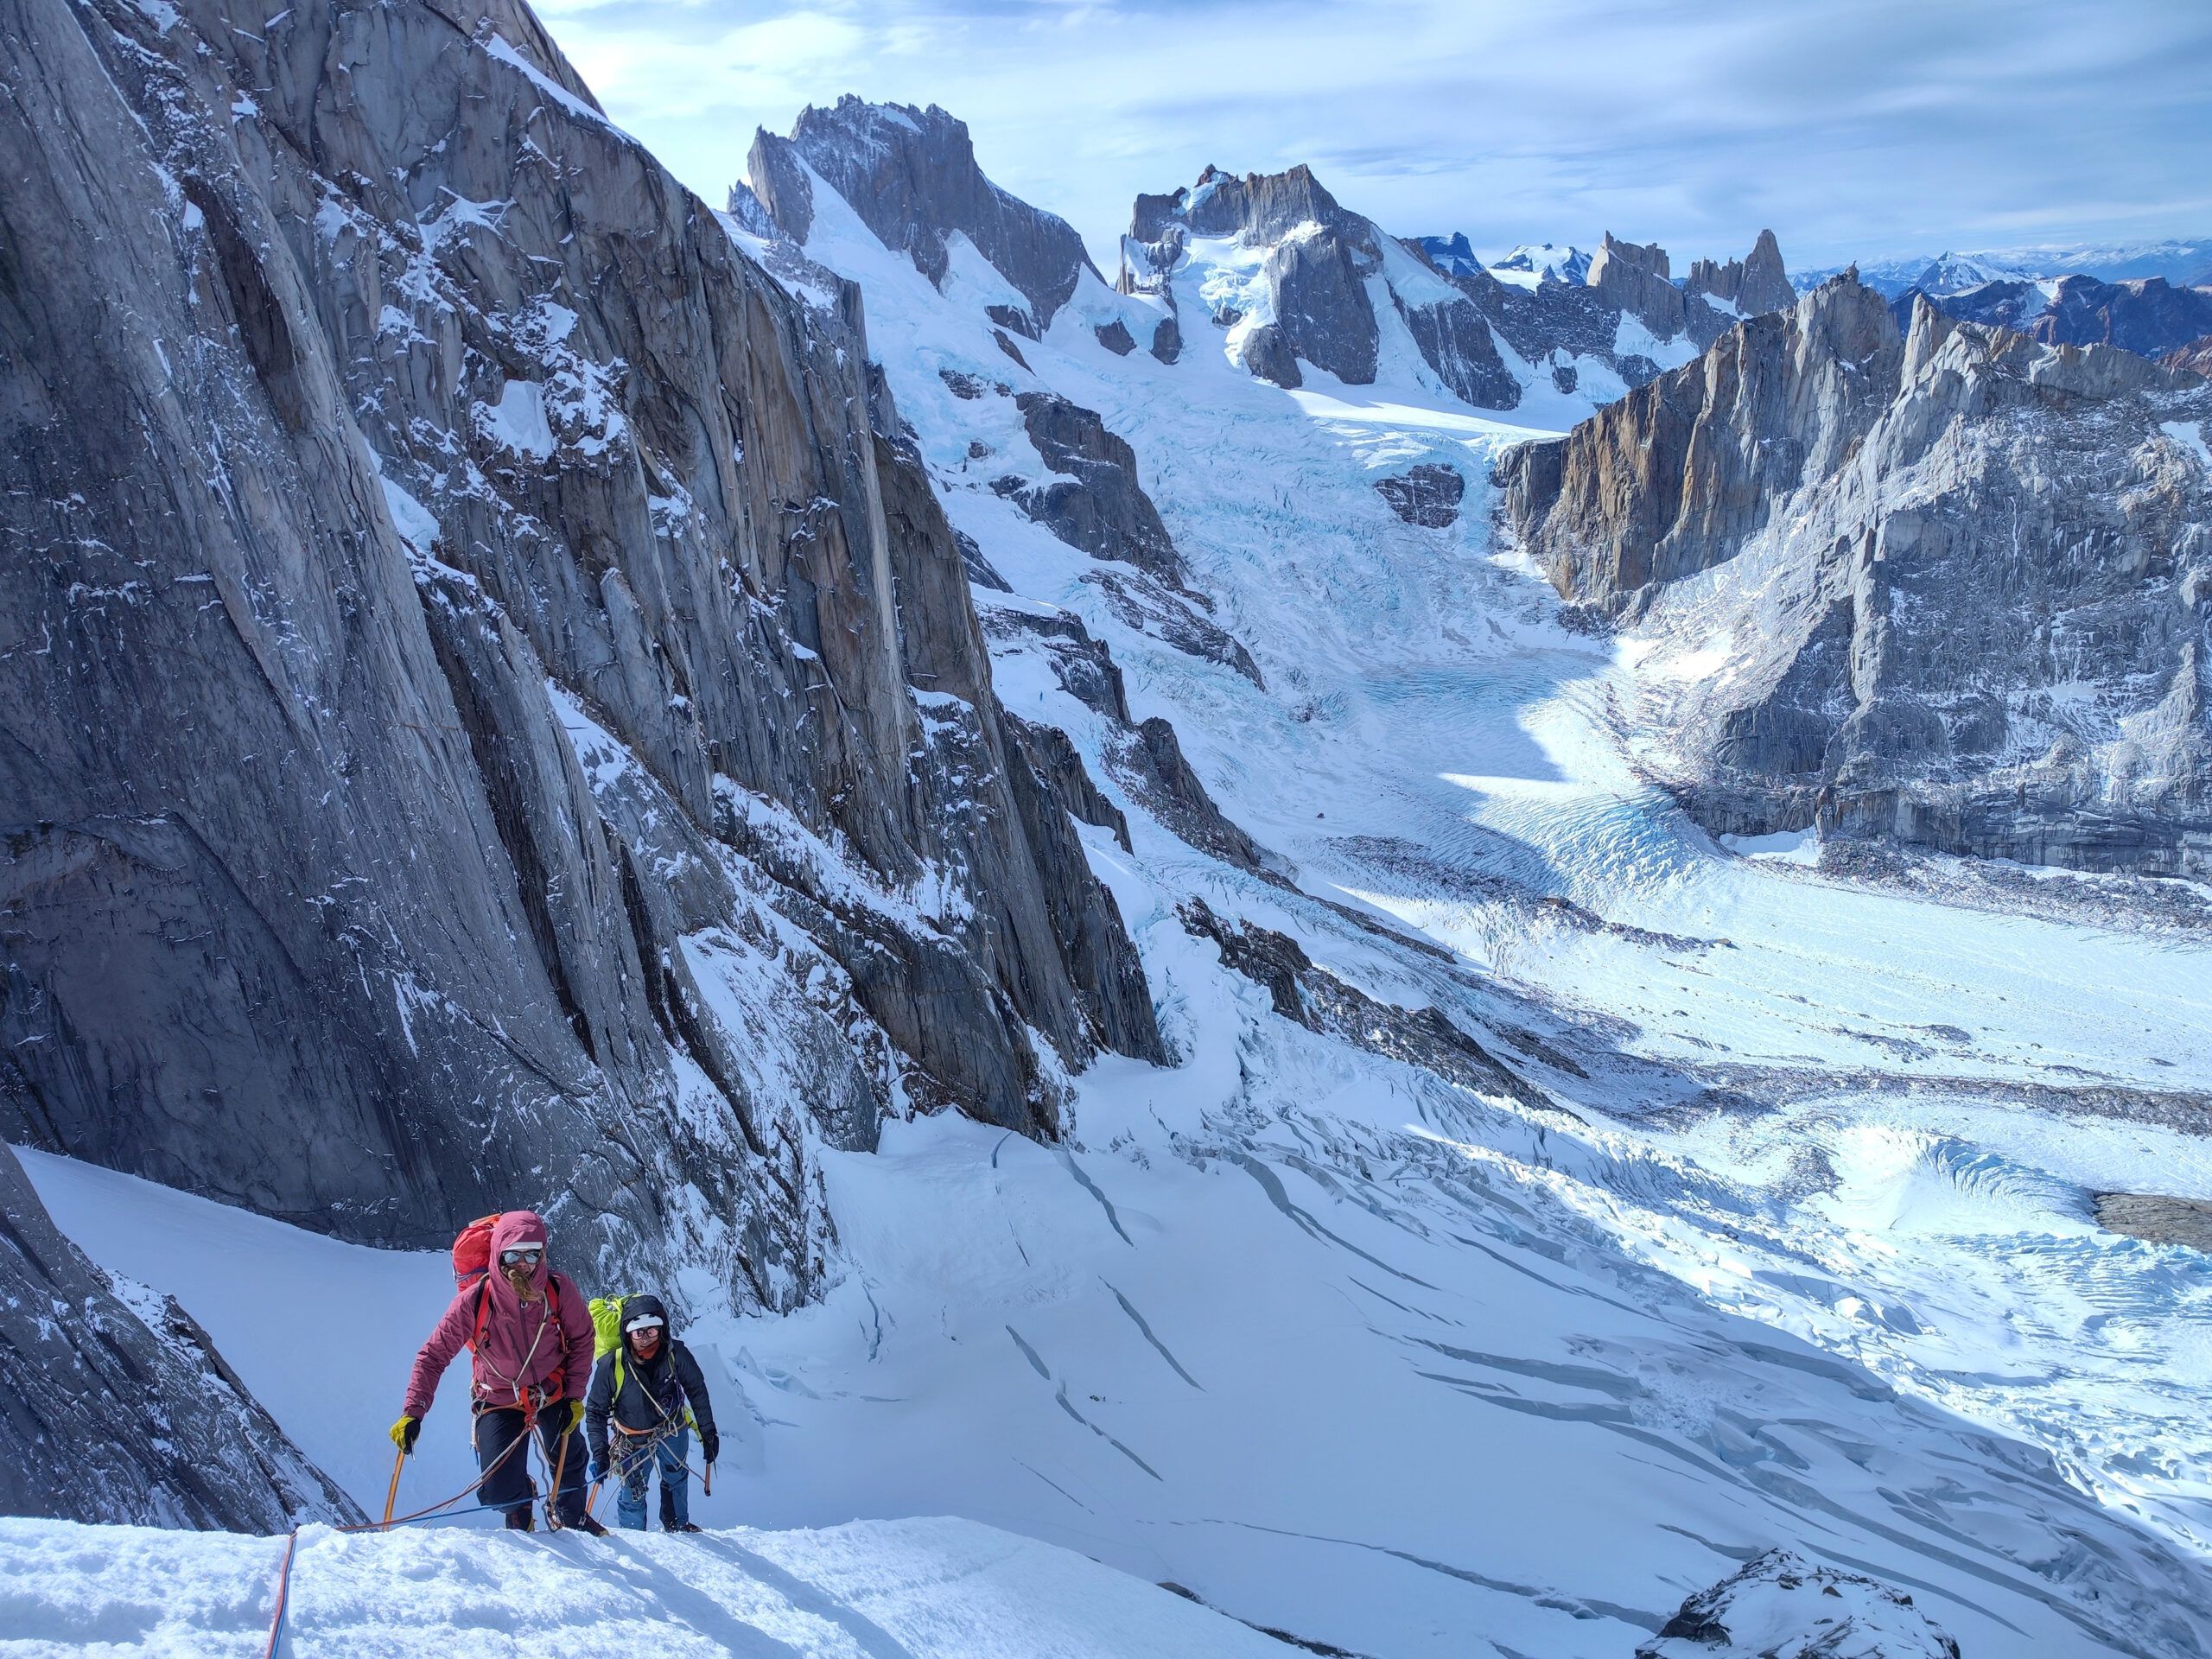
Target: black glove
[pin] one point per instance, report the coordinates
(709, 1447)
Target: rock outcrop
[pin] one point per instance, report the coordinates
(2149, 317)
(1428, 495)
(1958, 585)
(1100, 506)
(911, 175)
(1303, 991)
(2194, 358)
(458, 607)
(1778, 1605)
(115, 1407)
(1752, 287)
(1636, 277)
(1147, 760)
(2157, 1219)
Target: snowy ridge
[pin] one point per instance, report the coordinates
(922, 1589)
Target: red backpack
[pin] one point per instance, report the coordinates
(472, 1251)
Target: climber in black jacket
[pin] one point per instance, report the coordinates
(652, 1389)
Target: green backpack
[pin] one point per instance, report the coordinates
(607, 1338)
(607, 1328)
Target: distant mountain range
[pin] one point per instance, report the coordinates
(2153, 298)
(2183, 263)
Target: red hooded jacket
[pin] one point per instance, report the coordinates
(524, 1347)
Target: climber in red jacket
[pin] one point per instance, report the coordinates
(531, 1334)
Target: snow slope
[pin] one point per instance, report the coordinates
(929, 1589)
(1321, 1340)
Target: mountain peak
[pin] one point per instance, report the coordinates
(1258, 208)
(912, 175)
(1753, 286)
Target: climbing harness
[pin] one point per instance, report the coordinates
(550, 1322)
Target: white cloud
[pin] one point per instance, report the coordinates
(1852, 127)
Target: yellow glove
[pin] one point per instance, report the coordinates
(404, 1433)
(575, 1415)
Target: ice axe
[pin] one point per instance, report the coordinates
(391, 1492)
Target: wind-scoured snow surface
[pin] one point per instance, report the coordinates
(921, 1589)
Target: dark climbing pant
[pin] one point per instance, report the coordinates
(510, 1487)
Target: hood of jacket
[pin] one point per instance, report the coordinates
(514, 1230)
(634, 1307)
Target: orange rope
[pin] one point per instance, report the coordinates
(283, 1588)
(391, 1521)
(391, 1492)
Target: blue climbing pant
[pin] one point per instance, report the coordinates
(634, 1467)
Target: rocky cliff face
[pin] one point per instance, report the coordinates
(1328, 285)
(115, 1407)
(1635, 278)
(912, 176)
(1083, 484)
(2149, 317)
(493, 711)
(1962, 582)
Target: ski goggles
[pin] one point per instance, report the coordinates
(644, 1322)
(530, 1257)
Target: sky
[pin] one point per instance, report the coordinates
(1854, 129)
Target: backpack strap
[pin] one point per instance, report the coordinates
(555, 1385)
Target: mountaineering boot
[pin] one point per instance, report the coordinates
(521, 1520)
(586, 1525)
(680, 1526)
